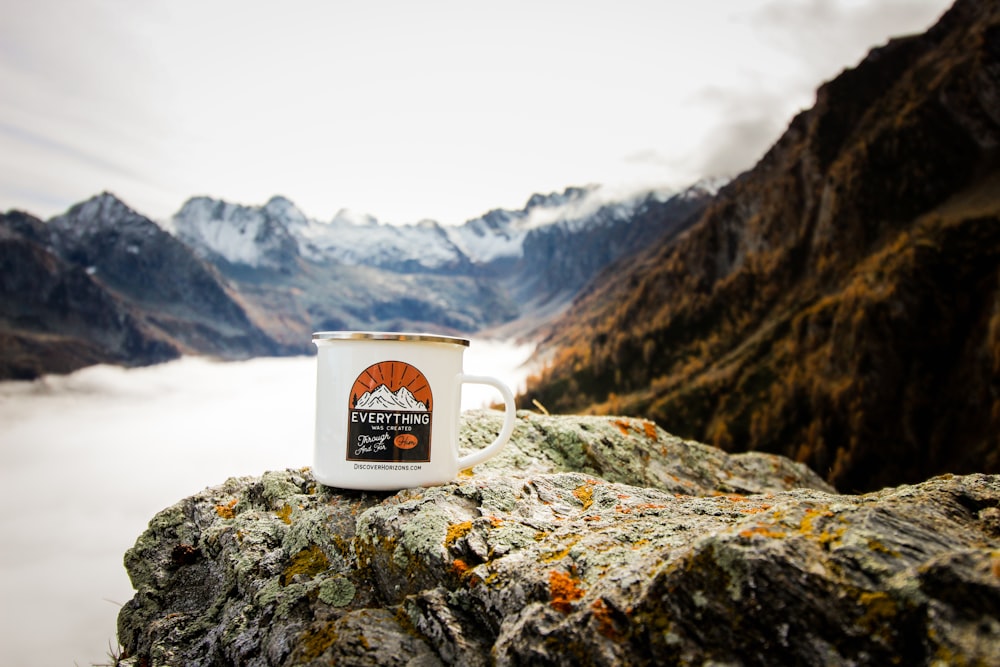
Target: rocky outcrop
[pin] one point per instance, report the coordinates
(590, 540)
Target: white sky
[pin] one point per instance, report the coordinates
(406, 109)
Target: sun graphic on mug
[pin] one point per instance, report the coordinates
(391, 385)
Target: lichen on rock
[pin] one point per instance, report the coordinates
(589, 540)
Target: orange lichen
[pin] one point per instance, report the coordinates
(650, 506)
(755, 510)
(314, 642)
(285, 513)
(763, 531)
(459, 567)
(880, 611)
(623, 426)
(877, 546)
(811, 514)
(808, 527)
(307, 563)
(585, 494)
(605, 622)
(457, 531)
(228, 510)
(563, 591)
(553, 556)
(647, 428)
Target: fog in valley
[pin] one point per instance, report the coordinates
(87, 459)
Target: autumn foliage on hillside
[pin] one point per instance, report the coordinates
(840, 302)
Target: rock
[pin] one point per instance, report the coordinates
(590, 540)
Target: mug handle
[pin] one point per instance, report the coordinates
(494, 447)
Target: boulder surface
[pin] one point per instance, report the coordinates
(588, 540)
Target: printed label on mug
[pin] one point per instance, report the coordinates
(390, 415)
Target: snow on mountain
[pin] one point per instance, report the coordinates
(252, 235)
(501, 234)
(354, 238)
(266, 236)
(383, 399)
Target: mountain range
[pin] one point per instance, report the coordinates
(838, 303)
(103, 283)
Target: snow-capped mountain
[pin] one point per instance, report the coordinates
(355, 239)
(355, 272)
(236, 281)
(383, 399)
(268, 236)
(256, 236)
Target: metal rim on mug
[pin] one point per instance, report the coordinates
(390, 335)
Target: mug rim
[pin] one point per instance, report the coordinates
(390, 335)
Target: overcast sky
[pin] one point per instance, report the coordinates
(406, 109)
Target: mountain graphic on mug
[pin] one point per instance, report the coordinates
(384, 399)
(391, 385)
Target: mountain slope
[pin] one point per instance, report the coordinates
(103, 284)
(172, 291)
(840, 302)
(55, 317)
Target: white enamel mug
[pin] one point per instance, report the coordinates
(387, 409)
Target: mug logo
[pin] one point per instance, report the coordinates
(390, 415)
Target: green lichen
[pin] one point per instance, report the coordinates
(510, 536)
(424, 534)
(399, 557)
(278, 489)
(284, 597)
(269, 592)
(498, 498)
(312, 527)
(337, 591)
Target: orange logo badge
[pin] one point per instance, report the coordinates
(390, 414)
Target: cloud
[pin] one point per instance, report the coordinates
(808, 42)
(827, 36)
(61, 150)
(750, 122)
